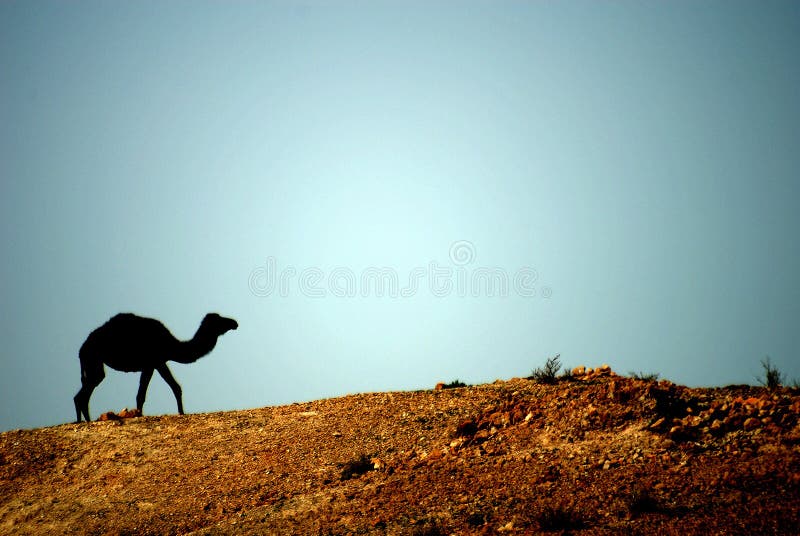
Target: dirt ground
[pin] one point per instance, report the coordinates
(596, 453)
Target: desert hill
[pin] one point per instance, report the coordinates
(594, 453)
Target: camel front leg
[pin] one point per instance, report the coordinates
(144, 381)
(176, 389)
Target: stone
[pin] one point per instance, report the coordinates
(752, 423)
(500, 419)
(579, 371)
(435, 454)
(467, 428)
(130, 413)
(517, 415)
(456, 443)
(508, 527)
(439, 386)
(657, 424)
(482, 435)
(676, 431)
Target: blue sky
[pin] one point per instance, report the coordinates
(637, 161)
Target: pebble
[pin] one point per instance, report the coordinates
(752, 423)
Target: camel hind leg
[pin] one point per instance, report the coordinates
(176, 389)
(91, 376)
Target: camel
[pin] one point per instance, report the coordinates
(131, 343)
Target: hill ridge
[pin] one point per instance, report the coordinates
(597, 453)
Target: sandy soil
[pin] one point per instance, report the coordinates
(594, 454)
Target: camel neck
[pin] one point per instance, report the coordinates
(195, 348)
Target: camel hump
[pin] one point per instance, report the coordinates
(130, 319)
(123, 324)
(125, 333)
(123, 317)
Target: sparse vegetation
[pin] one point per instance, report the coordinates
(548, 373)
(567, 375)
(647, 377)
(773, 378)
(454, 384)
(356, 467)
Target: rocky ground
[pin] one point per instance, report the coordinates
(595, 453)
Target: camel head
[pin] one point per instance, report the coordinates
(218, 325)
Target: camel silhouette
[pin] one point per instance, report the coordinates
(131, 343)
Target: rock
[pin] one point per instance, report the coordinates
(517, 415)
(467, 428)
(109, 416)
(692, 421)
(435, 454)
(482, 435)
(657, 424)
(752, 423)
(579, 371)
(508, 527)
(752, 402)
(130, 413)
(500, 419)
(439, 386)
(732, 421)
(676, 431)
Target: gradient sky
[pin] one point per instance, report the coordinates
(641, 157)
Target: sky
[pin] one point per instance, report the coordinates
(386, 195)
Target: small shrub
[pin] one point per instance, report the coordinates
(357, 467)
(773, 378)
(553, 519)
(567, 375)
(647, 377)
(642, 501)
(454, 384)
(548, 373)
